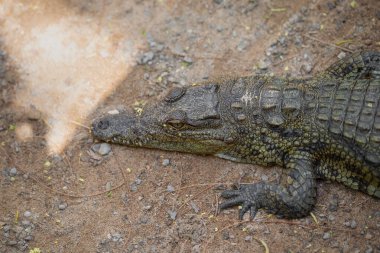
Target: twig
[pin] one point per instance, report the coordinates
(327, 43)
(79, 124)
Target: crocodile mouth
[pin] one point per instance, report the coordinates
(127, 129)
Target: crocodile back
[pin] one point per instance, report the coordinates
(350, 109)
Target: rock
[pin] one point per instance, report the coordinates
(62, 206)
(194, 207)
(108, 186)
(334, 203)
(27, 214)
(331, 5)
(13, 172)
(101, 148)
(170, 188)
(116, 237)
(146, 57)
(243, 44)
(341, 55)
(25, 223)
(104, 149)
(6, 228)
(263, 65)
(326, 236)
(187, 59)
(172, 214)
(28, 238)
(166, 162)
(12, 243)
(353, 224)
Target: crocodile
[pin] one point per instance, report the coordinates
(321, 127)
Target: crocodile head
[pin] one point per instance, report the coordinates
(186, 120)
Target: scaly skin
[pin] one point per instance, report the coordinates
(323, 127)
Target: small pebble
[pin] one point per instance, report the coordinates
(147, 207)
(353, 224)
(146, 57)
(194, 207)
(12, 243)
(225, 235)
(326, 236)
(28, 238)
(341, 55)
(263, 65)
(116, 237)
(27, 214)
(308, 68)
(172, 214)
(6, 228)
(25, 223)
(334, 203)
(62, 206)
(104, 149)
(248, 238)
(166, 162)
(243, 44)
(188, 59)
(170, 188)
(13, 172)
(108, 186)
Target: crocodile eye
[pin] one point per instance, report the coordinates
(177, 119)
(176, 124)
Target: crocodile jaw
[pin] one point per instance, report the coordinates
(135, 131)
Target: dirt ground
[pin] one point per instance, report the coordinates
(86, 198)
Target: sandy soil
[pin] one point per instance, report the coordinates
(63, 63)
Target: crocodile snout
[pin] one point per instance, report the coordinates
(118, 126)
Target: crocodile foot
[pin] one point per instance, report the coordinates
(244, 196)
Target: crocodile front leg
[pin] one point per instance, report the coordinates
(293, 198)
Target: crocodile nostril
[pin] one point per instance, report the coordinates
(103, 124)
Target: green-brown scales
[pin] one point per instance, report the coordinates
(322, 127)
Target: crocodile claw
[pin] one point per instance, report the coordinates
(240, 197)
